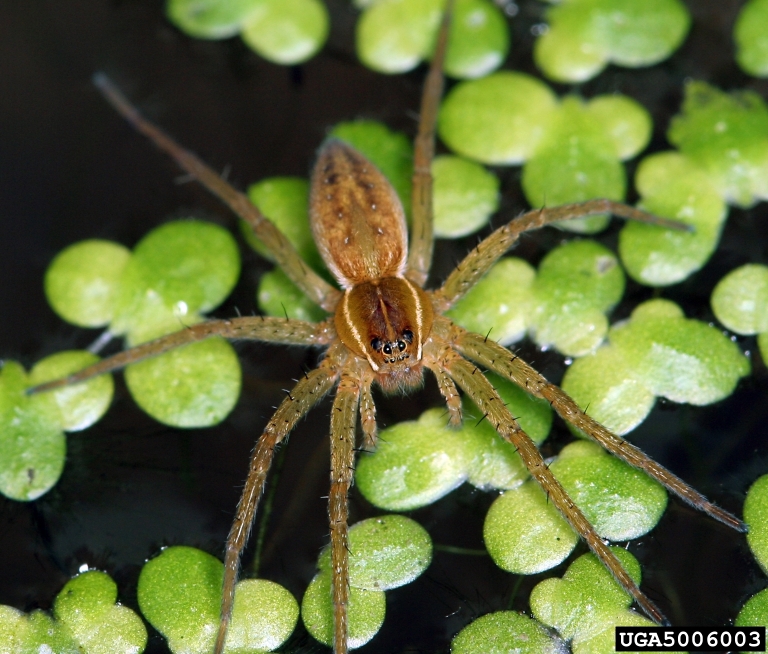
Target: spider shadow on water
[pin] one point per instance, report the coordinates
(131, 486)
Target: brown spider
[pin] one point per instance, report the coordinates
(386, 329)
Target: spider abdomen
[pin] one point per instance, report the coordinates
(357, 218)
(386, 322)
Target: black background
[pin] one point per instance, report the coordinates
(71, 169)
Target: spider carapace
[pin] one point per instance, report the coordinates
(359, 226)
(386, 329)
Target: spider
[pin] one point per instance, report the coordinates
(385, 329)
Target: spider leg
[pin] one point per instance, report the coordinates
(343, 423)
(490, 249)
(422, 215)
(259, 328)
(449, 392)
(307, 392)
(502, 361)
(311, 284)
(482, 393)
(368, 416)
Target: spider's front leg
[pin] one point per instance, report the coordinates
(479, 261)
(485, 397)
(307, 392)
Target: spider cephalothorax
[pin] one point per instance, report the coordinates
(386, 329)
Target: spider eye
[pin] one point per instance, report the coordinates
(376, 344)
(387, 349)
(407, 336)
(401, 345)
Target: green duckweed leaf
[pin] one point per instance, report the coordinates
(751, 38)
(524, 532)
(621, 502)
(416, 463)
(287, 32)
(498, 119)
(604, 384)
(576, 285)
(32, 443)
(503, 632)
(585, 35)
(587, 603)
(87, 621)
(177, 270)
(87, 606)
(385, 552)
(626, 123)
(495, 463)
(740, 300)
(285, 201)
(365, 612)
(672, 186)
(727, 135)
(81, 282)
(193, 386)
(500, 304)
(179, 592)
(390, 151)
(575, 161)
(756, 517)
(395, 36)
(80, 405)
(465, 196)
(680, 359)
(278, 296)
(210, 19)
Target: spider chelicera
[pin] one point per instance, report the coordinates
(385, 329)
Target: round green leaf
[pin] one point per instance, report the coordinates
(80, 405)
(278, 296)
(495, 462)
(727, 135)
(287, 32)
(285, 201)
(626, 122)
(193, 386)
(264, 616)
(82, 281)
(387, 552)
(210, 19)
(86, 605)
(504, 632)
(416, 463)
(498, 119)
(365, 612)
(500, 304)
(524, 532)
(32, 444)
(754, 613)
(621, 502)
(577, 283)
(756, 516)
(682, 360)
(605, 386)
(674, 187)
(479, 39)
(751, 39)
(465, 196)
(575, 161)
(740, 299)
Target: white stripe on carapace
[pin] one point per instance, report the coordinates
(419, 314)
(355, 333)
